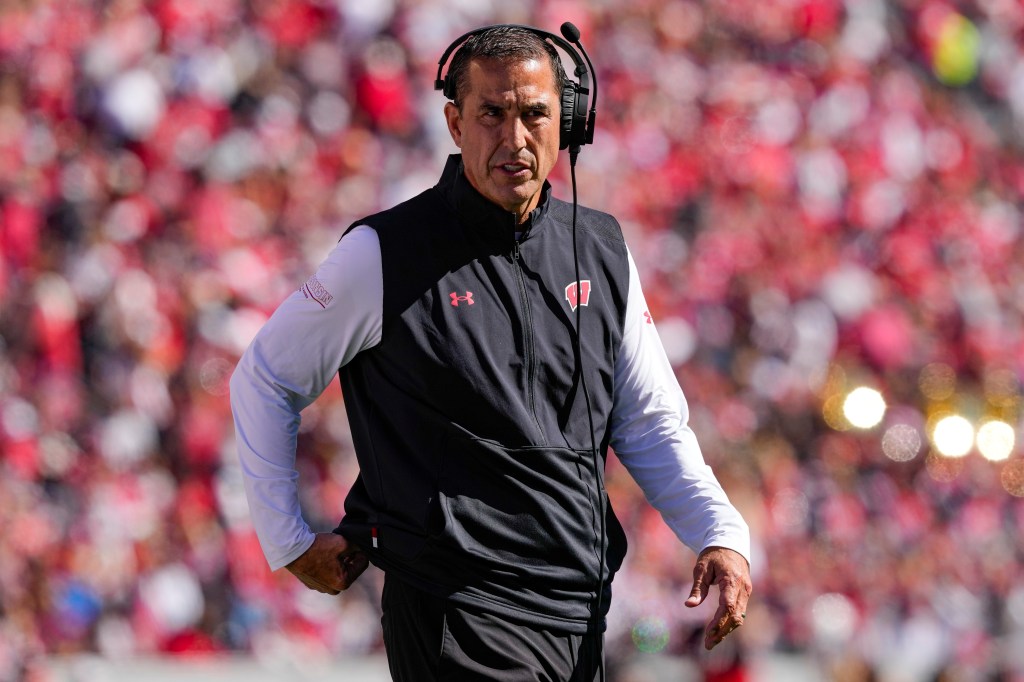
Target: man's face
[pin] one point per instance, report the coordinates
(508, 130)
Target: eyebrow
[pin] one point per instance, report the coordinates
(537, 105)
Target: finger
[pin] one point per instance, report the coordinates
(734, 597)
(721, 626)
(728, 617)
(729, 597)
(712, 633)
(316, 585)
(352, 566)
(701, 585)
(320, 587)
(742, 599)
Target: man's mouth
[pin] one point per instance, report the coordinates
(514, 169)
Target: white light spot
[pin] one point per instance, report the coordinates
(996, 440)
(953, 436)
(864, 407)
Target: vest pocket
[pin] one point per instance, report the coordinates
(529, 512)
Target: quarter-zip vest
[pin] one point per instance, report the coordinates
(477, 480)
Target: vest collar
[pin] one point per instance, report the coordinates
(478, 213)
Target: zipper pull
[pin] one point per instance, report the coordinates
(515, 251)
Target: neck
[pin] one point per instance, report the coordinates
(522, 213)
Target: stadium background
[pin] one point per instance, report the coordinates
(823, 196)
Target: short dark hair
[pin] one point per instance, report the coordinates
(506, 44)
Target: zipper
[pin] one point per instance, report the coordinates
(529, 353)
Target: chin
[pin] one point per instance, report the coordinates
(521, 194)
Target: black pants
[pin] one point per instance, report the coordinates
(429, 639)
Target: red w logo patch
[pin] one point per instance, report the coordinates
(582, 298)
(456, 299)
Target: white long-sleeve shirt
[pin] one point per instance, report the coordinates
(337, 313)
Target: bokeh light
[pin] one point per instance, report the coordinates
(650, 634)
(901, 442)
(955, 61)
(1012, 477)
(953, 436)
(937, 381)
(832, 412)
(1001, 387)
(996, 440)
(943, 469)
(834, 618)
(790, 511)
(864, 407)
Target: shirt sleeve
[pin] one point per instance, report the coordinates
(295, 355)
(651, 437)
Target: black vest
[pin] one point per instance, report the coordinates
(477, 480)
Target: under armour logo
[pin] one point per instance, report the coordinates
(584, 293)
(456, 299)
(648, 316)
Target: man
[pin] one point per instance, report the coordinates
(451, 320)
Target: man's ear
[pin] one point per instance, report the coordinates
(454, 119)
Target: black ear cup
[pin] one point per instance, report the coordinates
(572, 121)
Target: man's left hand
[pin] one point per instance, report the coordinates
(730, 571)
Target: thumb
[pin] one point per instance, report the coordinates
(700, 586)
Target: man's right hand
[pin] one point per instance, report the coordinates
(330, 565)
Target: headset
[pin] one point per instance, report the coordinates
(577, 125)
(576, 129)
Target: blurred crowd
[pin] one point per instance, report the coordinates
(819, 195)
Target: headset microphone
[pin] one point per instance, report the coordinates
(570, 32)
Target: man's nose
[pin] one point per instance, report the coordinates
(514, 133)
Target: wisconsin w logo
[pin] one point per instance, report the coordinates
(578, 298)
